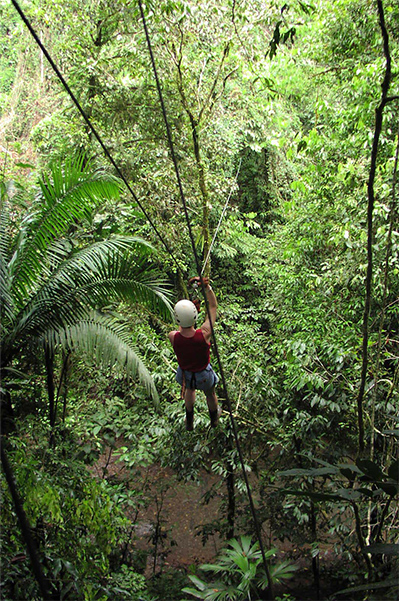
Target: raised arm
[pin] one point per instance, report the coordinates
(212, 306)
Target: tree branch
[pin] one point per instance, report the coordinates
(370, 228)
(215, 81)
(44, 585)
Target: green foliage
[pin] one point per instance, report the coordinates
(288, 265)
(9, 56)
(241, 573)
(263, 181)
(167, 586)
(73, 517)
(56, 291)
(114, 421)
(365, 487)
(127, 585)
(364, 471)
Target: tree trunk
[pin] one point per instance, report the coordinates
(49, 363)
(315, 558)
(7, 418)
(42, 581)
(370, 226)
(204, 193)
(231, 502)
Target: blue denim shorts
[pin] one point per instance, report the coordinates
(199, 380)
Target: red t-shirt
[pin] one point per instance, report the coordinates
(193, 354)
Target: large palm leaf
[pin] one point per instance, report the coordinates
(49, 289)
(108, 341)
(6, 299)
(64, 198)
(107, 271)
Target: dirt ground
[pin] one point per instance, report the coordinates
(179, 511)
(182, 514)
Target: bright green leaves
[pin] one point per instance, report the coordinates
(74, 516)
(240, 571)
(108, 342)
(53, 290)
(68, 196)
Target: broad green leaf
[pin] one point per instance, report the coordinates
(388, 583)
(370, 469)
(194, 592)
(393, 471)
(198, 582)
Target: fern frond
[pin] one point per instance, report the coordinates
(68, 196)
(93, 277)
(108, 342)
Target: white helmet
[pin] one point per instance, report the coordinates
(185, 313)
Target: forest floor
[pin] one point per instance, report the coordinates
(168, 530)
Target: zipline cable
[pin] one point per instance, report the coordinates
(93, 129)
(216, 350)
(220, 221)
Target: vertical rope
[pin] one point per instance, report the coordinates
(220, 221)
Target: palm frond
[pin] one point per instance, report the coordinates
(115, 269)
(66, 197)
(6, 299)
(56, 308)
(93, 255)
(108, 342)
(91, 278)
(7, 307)
(58, 252)
(114, 275)
(4, 226)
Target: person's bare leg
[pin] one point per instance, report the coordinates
(213, 406)
(211, 399)
(189, 400)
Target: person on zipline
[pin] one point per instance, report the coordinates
(192, 349)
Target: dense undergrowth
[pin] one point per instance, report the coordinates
(277, 107)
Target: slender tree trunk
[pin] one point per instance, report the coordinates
(181, 286)
(44, 584)
(316, 558)
(376, 369)
(62, 386)
(49, 363)
(196, 120)
(361, 541)
(204, 193)
(370, 226)
(231, 502)
(7, 417)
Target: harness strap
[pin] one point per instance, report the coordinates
(183, 386)
(193, 380)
